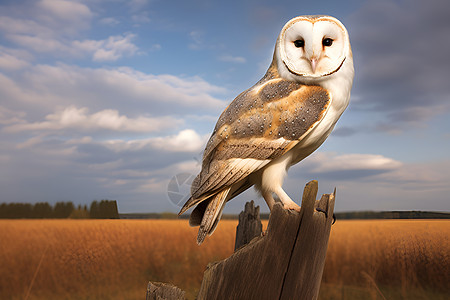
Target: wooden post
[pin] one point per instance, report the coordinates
(249, 226)
(286, 263)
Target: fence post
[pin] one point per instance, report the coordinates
(286, 263)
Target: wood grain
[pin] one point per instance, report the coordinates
(286, 263)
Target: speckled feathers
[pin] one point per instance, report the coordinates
(278, 122)
(261, 124)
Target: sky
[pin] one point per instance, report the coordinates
(111, 99)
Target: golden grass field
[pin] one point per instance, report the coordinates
(114, 259)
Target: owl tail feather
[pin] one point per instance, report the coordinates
(212, 215)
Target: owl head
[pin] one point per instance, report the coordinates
(312, 48)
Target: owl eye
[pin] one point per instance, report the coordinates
(327, 42)
(299, 43)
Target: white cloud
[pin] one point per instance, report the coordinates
(55, 25)
(65, 10)
(8, 116)
(137, 5)
(46, 18)
(109, 21)
(186, 140)
(197, 40)
(329, 162)
(108, 119)
(233, 59)
(10, 25)
(11, 62)
(379, 171)
(110, 49)
(141, 18)
(155, 47)
(63, 16)
(43, 88)
(43, 44)
(418, 176)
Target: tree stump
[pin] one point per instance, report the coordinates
(249, 226)
(286, 263)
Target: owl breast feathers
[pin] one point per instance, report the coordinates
(276, 123)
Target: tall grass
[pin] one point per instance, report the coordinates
(103, 259)
(393, 259)
(114, 259)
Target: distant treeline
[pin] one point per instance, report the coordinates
(356, 215)
(104, 209)
(170, 216)
(392, 215)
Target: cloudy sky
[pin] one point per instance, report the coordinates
(111, 99)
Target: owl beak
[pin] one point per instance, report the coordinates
(313, 64)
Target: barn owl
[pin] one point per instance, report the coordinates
(277, 122)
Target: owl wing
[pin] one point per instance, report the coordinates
(260, 125)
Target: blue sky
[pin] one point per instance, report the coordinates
(112, 99)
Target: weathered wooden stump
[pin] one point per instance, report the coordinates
(249, 226)
(286, 263)
(163, 291)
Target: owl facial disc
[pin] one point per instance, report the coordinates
(313, 49)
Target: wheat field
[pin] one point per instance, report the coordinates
(114, 259)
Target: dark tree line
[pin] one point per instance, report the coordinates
(105, 209)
